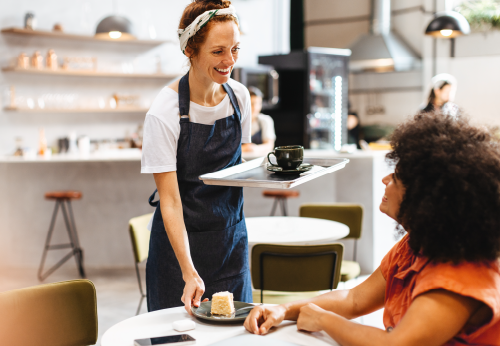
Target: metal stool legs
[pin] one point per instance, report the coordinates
(140, 289)
(74, 243)
(282, 202)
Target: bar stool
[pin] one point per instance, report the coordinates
(63, 199)
(280, 196)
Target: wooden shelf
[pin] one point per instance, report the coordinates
(76, 73)
(127, 110)
(62, 35)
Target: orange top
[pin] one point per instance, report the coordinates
(409, 275)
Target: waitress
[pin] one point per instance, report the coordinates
(198, 243)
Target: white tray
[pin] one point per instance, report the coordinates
(254, 174)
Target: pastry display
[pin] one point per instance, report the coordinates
(222, 304)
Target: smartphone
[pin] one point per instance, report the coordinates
(181, 340)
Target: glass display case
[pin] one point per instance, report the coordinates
(326, 122)
(313, 95)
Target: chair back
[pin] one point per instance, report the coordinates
(348, 214)
(296, 268)
(57, 314)
(139, 235)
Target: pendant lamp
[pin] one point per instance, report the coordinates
(115, 27)
(448, 24)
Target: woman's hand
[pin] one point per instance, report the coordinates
(263, 318)
(309, 318)
(193, 291)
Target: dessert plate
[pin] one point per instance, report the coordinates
(301, 169)
(203, 312)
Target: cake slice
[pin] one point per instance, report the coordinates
(222, 304)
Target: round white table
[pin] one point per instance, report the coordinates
(159, 323)
(288, 230)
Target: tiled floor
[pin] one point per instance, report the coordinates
(117, 292)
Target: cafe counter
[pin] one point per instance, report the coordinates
(114, 191)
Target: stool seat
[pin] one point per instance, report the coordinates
(63, 195)
(280, 193)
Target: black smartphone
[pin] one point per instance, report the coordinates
(181, 340)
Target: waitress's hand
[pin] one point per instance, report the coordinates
(193, 291)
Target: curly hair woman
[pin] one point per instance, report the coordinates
(440, 284)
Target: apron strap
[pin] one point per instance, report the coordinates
(184, 96)
(234, 100)
(151, 199)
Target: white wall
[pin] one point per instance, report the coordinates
(265, 33)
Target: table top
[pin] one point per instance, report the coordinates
(288, 230)
(159, 323)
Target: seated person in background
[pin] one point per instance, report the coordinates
(263, 135)
(440, 284)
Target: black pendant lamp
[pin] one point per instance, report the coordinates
(448, 24)
(116, 28)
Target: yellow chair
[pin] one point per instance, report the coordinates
(304, 270)
(348, 214)
(139, 235)
(57, 314)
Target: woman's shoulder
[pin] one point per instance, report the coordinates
(478, 280)
(239, 89)
(265, 118)
(165, 105)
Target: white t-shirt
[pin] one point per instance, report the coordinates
(266, 124)
(162, 128)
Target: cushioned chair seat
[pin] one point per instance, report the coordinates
(349, 270)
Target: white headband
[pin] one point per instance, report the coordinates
(200, 22)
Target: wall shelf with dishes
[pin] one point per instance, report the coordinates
(128, 110)
(88, 73)
(73, 37)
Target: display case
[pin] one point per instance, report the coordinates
(313, 87)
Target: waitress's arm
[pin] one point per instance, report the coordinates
(171, 211)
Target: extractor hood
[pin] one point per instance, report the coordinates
(382, 50)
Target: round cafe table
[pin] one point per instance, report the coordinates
(288, 230)
(159, 323)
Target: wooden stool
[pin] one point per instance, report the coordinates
(280, 196)
(63, 199)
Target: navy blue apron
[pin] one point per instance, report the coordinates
(257, 136)
(213, 215)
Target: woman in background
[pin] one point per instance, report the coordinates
(440, 284)
(441, 95)
(263, 135)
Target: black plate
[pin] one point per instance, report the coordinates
(203, 312)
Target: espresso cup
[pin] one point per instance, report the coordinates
(288, 156)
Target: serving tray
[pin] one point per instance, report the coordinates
(254, 174)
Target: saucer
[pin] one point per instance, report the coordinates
(301, 169)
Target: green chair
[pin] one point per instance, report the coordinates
(57, 314)
(139, 235)
(348, 214)
(304, 270)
